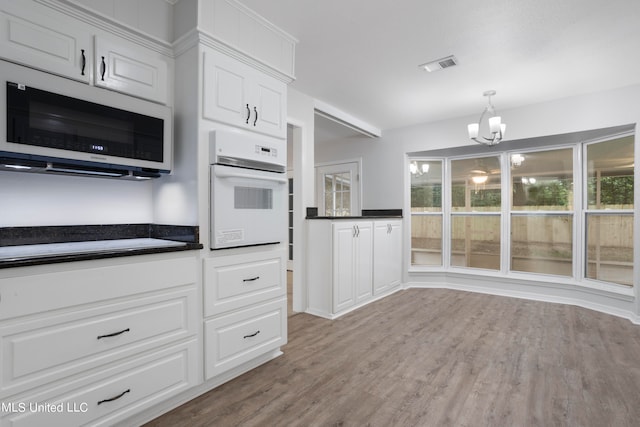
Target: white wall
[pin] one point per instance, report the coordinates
(176, 196)
(36, 199)
(383, 159)
(300, 114)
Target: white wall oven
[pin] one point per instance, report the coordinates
(248, 190)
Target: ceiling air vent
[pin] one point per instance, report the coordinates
(440, 64)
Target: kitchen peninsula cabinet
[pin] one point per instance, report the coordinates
(351, 262)
(387, 255)
(40, 37)
(241, 96)
(101, 339)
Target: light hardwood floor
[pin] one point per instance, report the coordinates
(438, 358)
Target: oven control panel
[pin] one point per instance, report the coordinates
(243, 145)
(266, 151)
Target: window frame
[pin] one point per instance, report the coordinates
(585, 212)
(423, 267)
(578, 143)
(450, 214)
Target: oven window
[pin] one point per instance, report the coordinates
(253, 198)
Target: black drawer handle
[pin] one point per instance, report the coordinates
(114, 334)
(84, 61)
(255, 110)
(252, 335)
(115, 397)
(248, 113)
(253, 279)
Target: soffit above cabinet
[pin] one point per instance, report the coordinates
(234, 29)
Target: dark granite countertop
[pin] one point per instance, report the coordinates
(312, 213)
(346, 218)
(26, 246)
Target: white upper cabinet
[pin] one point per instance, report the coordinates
(125, 67)
(50, 41)
(237, 94)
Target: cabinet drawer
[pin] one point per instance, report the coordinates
(37, 290)
(50, 347)
(110, 395)
(237, 338)
(237, 281)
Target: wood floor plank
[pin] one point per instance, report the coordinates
(438, 358)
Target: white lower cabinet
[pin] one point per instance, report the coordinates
(110, 394)
(387, 255)
(96, 341)
(241, 336)
(245, 308)
(352, 258)
(350, 262)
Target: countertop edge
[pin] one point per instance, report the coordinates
(346, 218)
(56, 259)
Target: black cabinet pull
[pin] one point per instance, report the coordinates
(252, 335)
(114, 397)
(84, 62)
(251, 280)
(103, 68)
(114, 334)
(248, 114)
(255, 110)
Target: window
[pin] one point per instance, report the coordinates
(557, 217)
(609, 211)
(475, 213)
(542, 212)
(426, 212)
(338, 189)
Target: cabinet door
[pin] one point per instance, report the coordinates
(363, 261)
(343, 266)
(269, 106)
(387, 255)
(236, 94)
(224, 92)
(130, 69)
(50, 42)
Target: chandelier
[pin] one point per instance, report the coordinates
(496, 127)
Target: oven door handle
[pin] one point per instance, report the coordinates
(233, 174)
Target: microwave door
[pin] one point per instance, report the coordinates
(248, 207)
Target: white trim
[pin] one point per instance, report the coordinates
(618, 305)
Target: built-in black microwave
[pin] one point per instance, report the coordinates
(53, 118)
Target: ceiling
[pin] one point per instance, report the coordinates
(362, 56)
